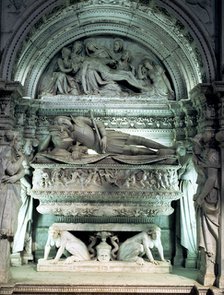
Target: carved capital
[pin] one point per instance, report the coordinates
(205, 102)
(9, 93)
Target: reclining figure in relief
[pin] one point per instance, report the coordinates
(64, 240)
(69, 135)
(93, 135)
(134, 248)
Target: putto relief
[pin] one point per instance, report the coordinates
(105, 67)
(104, 179)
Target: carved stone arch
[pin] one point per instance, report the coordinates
(199, 34)
(54, 25)
(28, 20)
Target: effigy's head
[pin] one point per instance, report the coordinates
(63, 120)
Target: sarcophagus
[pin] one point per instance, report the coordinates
(105, 191)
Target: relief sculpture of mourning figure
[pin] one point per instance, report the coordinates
(65, 78)
(105, 68)
(154, 79)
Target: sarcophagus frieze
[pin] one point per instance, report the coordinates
(105, 190)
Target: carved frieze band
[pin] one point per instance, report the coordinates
(104, 191)
(105, 179)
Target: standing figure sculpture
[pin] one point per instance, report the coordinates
(64, 240)
(22, 243)
(133, 249)
(207, 202)
(12, 171)
(187, 183)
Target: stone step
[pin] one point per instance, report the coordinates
(27, 280)
(102, 267)
(20, 289)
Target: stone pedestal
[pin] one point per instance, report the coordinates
(16, 259)
(207, 279)
(191, 260)
(221, 282)
(206, 274)
(111, 266)
(4, 260)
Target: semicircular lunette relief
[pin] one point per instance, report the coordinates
(106, 66)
